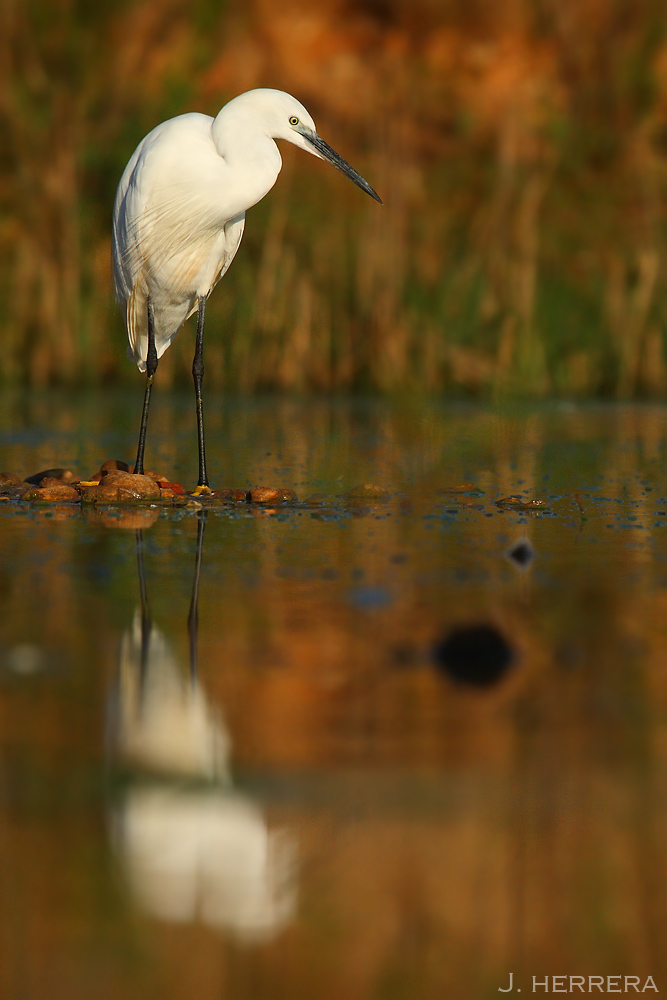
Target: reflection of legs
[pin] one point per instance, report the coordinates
(198, 375)
(193, 615)
(151, 368)
(146, 623)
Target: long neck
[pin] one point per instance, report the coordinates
(251, 156)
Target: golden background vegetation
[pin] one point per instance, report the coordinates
(520, 149)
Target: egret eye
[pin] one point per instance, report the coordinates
(294, 120)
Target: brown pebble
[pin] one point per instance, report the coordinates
(9, 479)
(100, 494)
(175, 488)
(141, 487)
(519, 503)
(116, 486)
(317, 500)
(107, 494)
(157, 477)
(111, 465)
(61, 475)
(232, 496)
(267, 494)
(54, 493)
(369, 492)
(49, 481)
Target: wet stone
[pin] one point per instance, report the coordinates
(184, 502)
(11, 486)
(157, 477)
(49, 481)
(317, 500)
(266, 494)
(9, 479)
(121, 487)
(230, 496)
(174, 489)
(369, 491)
(142, 487)
(54, 492)
(519, 503)
(111, 465)
(109, 494)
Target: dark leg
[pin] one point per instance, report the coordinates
(151, 368)
(193, 615)
(198, 375)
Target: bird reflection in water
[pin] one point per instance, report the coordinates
(192, 847)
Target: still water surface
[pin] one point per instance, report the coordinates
(413, 739)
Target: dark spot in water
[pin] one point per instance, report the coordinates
(522, 553)
(474, 654)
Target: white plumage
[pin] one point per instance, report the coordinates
(180, 209)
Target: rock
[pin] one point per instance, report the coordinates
(111, 465)
(60, 475)
(230, 496)
(104, 494)
(317, 500)
(266, 494)
(368, 492)
(141, 487)
(174, 488)
(157, 477)
(117, 486)
(49, 481)
(9, 479)
(54, 493)
(519, 503)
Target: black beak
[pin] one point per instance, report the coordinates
(329, 154)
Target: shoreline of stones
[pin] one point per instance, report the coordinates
(116, 483)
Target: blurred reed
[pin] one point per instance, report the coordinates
(520, 149)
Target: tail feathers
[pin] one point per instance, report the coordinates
(169, 317)
(137, 326)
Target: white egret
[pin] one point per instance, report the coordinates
(179, 216)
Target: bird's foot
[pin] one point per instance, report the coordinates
(202, 491)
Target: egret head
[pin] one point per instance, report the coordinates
(283, 117)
